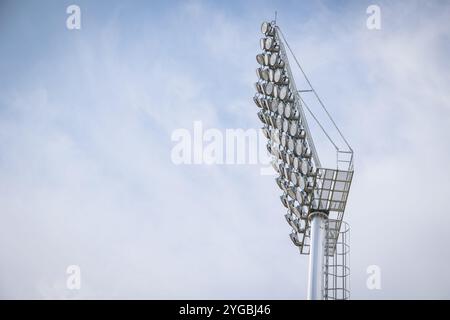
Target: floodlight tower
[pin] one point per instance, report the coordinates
(315, 197)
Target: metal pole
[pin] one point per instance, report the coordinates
(316, 255)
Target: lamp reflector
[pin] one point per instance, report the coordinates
(260, 59)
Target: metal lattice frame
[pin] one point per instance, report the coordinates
(337, 258)
(330, 196)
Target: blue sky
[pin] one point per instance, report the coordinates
(86, 176)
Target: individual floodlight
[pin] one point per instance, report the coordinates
(292, 113)
(276, 90)
(278, 122)
(265, 104)
(305, 210)
(267, 29)
(258, 73)
(274, 58)
(282, 184)
(286, 125)
(304, 167)
(276, 136)
(291, 204)
(293, 127)
(282, 151)
(281, 171)
(290, 144)
(266, 132)
(262, 43)
(309, 185)
(307, 153)
(297, 211)
(270, 72)
(290, 159)
(312, 172)
(262, 74)
(283, 140)
(280, 108)
(292, 222)
(262, 117)
(300, 195)
(301, 133)
(274, 105)
(257, 102)
(279, 77)
(275, 61)
(260, 59)
(268, 117)
(284, 93)
(271, 120)
(284, 200)
(288, 217)
(283, 156)
(275, 165)
(270, 44)
(269, 147)
(294, 238)
(300, 223)
(298, 150)
(265, 74)
(294, 179)
(295, 163)
(275, 151)
(286, 172)
(266, 59)
(283, 80)
(259, 87)
(301, 183)
(291, 192)
(268, 89)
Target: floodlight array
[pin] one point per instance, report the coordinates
(290, 144)
(283, 127)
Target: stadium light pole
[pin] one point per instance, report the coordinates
(315, 197)
(316, 255)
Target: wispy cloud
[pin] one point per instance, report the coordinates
(85, 170)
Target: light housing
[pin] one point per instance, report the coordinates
(305, 185)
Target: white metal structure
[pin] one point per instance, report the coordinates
(315, 197)
(316, 256)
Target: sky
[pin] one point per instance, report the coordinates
(86, 124)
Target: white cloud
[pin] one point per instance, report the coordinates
(86, 177)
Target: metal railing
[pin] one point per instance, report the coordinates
(337, 259)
